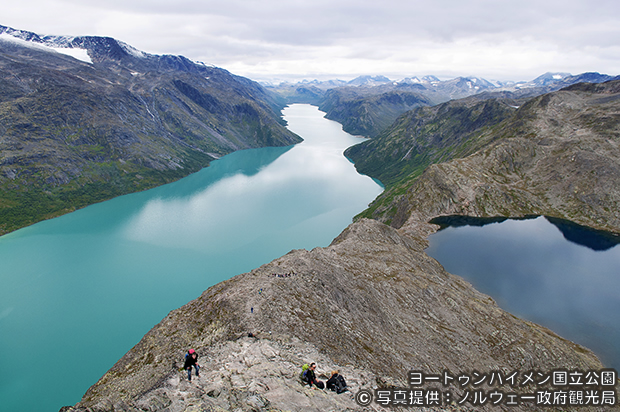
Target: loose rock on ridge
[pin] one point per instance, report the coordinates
(372, 304)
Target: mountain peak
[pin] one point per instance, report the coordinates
(549, 78)
(56, 44)
(367, 80)
(430, 78)
(99, 49)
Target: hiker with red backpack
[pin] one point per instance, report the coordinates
(191, 359)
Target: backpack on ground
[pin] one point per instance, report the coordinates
(340, 384)
(304, 370)
(337, 384)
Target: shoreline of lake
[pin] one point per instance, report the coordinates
(89, 284)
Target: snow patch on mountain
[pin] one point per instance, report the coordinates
(132, 50)
(76, 53)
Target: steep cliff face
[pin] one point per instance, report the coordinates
(73, 132)
(372, 304)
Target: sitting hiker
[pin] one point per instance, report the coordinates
(191, 359)
(310, 377)
(336, 383)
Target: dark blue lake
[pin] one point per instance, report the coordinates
(559, 275)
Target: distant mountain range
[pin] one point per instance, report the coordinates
(366, 105)
(466, 85)
(83, 119)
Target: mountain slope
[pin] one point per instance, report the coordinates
(558, 155)
(74, 132)
(428, 135)
(363, 111)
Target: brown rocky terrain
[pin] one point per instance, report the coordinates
(372, 305)
(558, 156)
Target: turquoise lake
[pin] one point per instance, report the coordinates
(80, 290)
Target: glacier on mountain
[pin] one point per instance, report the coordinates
(76, 53)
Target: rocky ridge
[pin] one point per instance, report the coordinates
(554, 155)
(372, 305)
(249, 373)
(558, 156)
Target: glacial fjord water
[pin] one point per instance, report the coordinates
(532, 270)
(80, 290)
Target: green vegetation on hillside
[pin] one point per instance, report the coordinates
(556, 155)
(30, 200)
(422, 137)
(73, 133)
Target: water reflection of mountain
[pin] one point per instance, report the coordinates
(585, 236)
(582, 235)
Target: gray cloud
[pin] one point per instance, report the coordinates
(501, 39)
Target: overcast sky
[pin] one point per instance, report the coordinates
(297, 39)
